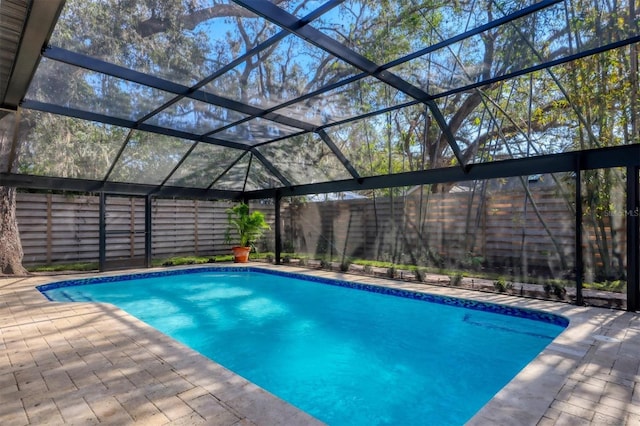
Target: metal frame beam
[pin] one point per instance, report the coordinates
(633, 238)
(102, 233)
(129, 124)
(229, 167)
(336, 151)
(148, 231)
(542, 66)
(599, 158)
(182, 91)
(270, 167)
(579, 266)
(475, 31)
(135, 189)
(284, 19)
(278, 228)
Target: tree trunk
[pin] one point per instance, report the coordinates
(10, 245)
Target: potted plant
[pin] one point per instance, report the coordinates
(247, 227)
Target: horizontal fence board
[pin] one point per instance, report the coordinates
(57, 227)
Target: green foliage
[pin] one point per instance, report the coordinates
(391, 272)
(187, 260)
(224, 258)
(501, 285)
(61, 267)
(473, 261)
(190, 260)
(615, 286)
(456, 279)
(372, 263)
(557, 289)
(245, 226)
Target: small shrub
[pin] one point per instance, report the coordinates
(224, 258)
(325, 264)
(344, 266)
(420, 274)
(500, 285)
(302, 262)
(368, 269)
(391, 272)
(455, 279)
(559, 291)
(616, 286)
(77, 266)
(269, 258)
(286, 259)
(472, 261)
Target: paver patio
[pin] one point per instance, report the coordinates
(87, 363)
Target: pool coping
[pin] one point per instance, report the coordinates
(589, 373)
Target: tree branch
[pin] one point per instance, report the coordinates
(155, 25)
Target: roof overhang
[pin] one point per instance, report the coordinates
(24, 31)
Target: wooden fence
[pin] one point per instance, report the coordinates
(506, 231)
(502, 229)
(57, 228)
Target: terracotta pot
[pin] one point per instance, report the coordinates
(241, 254)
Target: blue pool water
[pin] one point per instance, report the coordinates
(347, 357)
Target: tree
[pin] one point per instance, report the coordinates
(10, 246)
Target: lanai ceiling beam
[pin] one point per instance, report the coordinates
(130, 124)
(284, 19)
(332, 146)
(599, 158)
(97, 65)
(274, 171)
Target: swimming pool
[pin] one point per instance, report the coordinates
(346, 357)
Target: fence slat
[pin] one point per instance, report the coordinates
(57, 228)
